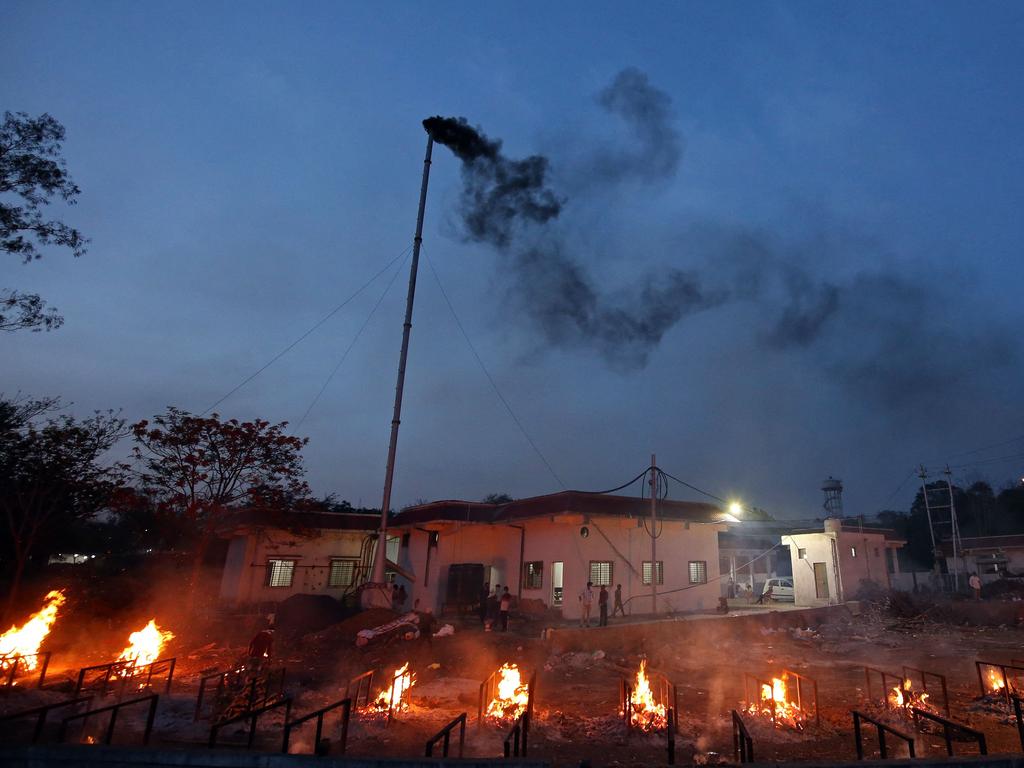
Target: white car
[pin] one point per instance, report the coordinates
(782, 589)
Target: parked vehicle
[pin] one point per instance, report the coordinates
(781, 589)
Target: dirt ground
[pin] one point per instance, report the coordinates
(576, 697)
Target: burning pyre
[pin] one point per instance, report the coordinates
(644, 712)
(775, 704)
(145, 646)
(25, 641)
(512, 695)
(906, 698)
(395, 697)
(995, 681)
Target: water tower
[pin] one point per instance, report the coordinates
(833, 490)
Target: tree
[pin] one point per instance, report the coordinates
(51, 475)
(32, 168)
(202, 469)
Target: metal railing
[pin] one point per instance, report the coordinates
(516, 742)
(888, 680)
(802, 681)
(9, 666)
(152, 699)
(362, 691)
(949, 727)
(1009, 681)
(489, 687)
(158, 667)
(445, 735)
(671, 721)
(120, 671)
(909, 673)
(42, 713)
(1019, 717)
(222, 679)
(664, 691)
(883, 729)
(742, 744)
(253, 717)
(346, 715)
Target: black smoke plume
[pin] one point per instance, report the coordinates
(497, 193)
(507, 204)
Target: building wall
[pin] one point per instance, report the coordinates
(548, 540)
(844, 571)
(245, 572)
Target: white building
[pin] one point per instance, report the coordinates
(830, 564)
(548, 547)
(318, 552)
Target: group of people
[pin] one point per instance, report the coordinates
(495, 606)
(586, 598)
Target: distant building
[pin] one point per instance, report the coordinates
(991, 557)
(548, 547)
(317, 553)
(829, 564)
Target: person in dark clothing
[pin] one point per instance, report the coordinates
(262, 644)
(618, 607)
(402, 596)
(485, 592)
(602, 606)
(503, 608)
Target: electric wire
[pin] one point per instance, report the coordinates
(618, 488)
(487, 373)
(316, 325)
(695, 488)
(351, 344)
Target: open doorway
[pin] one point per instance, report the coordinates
(556, 583)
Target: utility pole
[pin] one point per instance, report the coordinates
(955, 526)
(923, 474)
(379, 595)
(654, 535)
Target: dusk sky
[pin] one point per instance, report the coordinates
(794, 230)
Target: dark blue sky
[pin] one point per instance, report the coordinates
(849, 192)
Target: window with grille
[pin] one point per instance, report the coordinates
(342, 573)
(601, 572)
(647, 572)
(280, 573)
(533, 575)
(698, 572)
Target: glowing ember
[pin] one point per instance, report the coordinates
(904, 696)
(776, 705)
(645, 713)
(512, 697)
(26, 639)
(395, 697)
(146, 645)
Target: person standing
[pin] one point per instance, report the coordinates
(975, 583)
(618, 607)
(602, 606)
(586, 602)
(503, 608)
(485, 592)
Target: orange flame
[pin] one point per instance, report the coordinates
(645, 712)
(395, 696)
(775, 704)
(145, 646)
(512, 697)
(995, 681)
(26, 639)
(906, 697)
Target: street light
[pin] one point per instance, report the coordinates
(735, 509)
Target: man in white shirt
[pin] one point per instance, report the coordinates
(975, 583)
(586, 601)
